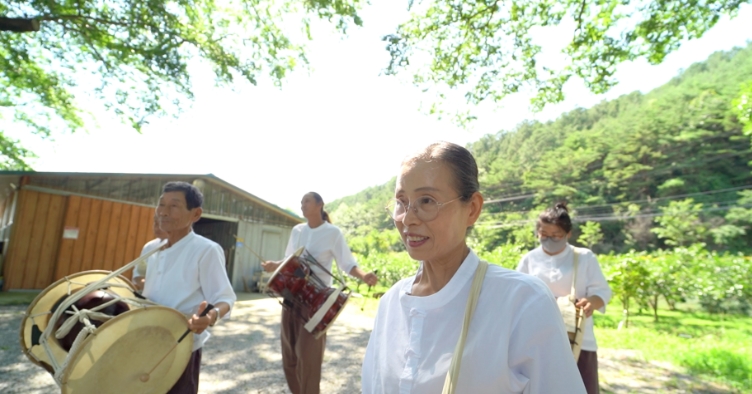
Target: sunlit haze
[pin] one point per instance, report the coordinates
(336, 130)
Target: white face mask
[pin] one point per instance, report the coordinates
(553, 245)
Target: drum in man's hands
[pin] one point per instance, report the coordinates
(94, 334)
(131, 353)
(40, 311)
(296, 281)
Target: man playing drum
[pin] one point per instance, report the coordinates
(189, 273)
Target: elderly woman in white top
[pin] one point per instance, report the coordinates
(516, 341)
(553, 262)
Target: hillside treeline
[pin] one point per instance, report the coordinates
(647, 171)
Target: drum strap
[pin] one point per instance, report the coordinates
(316, 318)
(450, 384)
(574, 272)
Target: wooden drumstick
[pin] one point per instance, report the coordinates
(249, 248)
(145, 377)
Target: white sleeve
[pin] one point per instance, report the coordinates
(597, 285)
(140, 269)
(213, 279)
(522, 266)
(540, 356)
(342, 254)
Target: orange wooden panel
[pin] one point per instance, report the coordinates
(104, 226)
(53, 225)
(144, 230)
(65, 253)
(130, 241)
(125, 224)
(77, 256)
(112, 236)
(90, 242)
(31, 267)
(19, 244)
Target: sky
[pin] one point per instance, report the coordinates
(336, 129)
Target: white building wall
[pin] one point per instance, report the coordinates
(266, 241)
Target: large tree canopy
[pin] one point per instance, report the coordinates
(139, 52)
(487, 49)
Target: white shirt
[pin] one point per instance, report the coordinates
(516, 342)
(325, 243)
(557, 272)
(140, 269)
(187, 273)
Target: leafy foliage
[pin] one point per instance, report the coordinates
(680, 223)
(489, 49)
(743, 106)
(139, 52)
(590, 234)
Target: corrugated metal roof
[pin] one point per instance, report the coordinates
(177, 177)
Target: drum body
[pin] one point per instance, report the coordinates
(124, 335)
(295, 281)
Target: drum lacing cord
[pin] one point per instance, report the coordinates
(84, 316)
(72, 299)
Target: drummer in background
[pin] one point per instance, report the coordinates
(516, 340)
(139, 273)
(552, 262)
(302, 354)
(188, 273)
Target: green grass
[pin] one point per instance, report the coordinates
(17, 297)
(715, 347)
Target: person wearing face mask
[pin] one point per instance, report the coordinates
(553, 263)
(460, 324)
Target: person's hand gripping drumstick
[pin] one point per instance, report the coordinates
(374, 273)
(196, 324)
(270, 266)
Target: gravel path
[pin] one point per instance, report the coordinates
(244, 356)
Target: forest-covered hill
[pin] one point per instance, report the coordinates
(633, 167)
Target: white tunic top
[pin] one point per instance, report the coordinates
(140, 269)
(187, 273)
(325, 243)
(516, 341)
(557, 272)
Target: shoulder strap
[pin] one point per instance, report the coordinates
(576, 255)
(450, 384)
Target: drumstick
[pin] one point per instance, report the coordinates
(249, 248)
(145, 377)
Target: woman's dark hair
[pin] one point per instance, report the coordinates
(557, 215)
(193, 196)
(320, 200)
(460, 161)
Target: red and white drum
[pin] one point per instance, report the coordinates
(296, 282)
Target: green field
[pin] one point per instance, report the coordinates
(715, 347)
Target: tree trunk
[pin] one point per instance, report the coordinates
(19, 25)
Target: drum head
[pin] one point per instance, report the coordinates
(31, 328)
(125, 349)
(279, 269)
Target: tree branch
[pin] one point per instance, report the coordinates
(19, 25)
